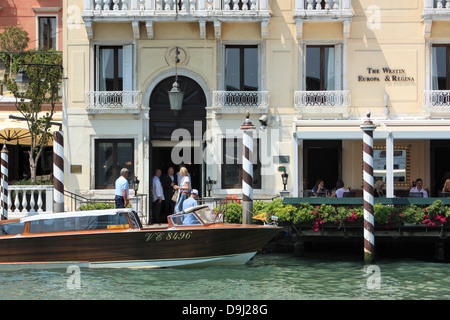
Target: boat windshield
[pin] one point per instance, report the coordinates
(187, 219)
(11, 228)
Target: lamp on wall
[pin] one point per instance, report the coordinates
(135, 185)
(386, 104)
(284, 177)
(176, 95)
(23, 82)
(209, 185)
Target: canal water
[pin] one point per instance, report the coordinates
(265, 277)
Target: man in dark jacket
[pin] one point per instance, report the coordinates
(168, 180)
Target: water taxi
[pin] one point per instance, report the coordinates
(116, 238)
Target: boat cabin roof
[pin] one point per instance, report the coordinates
(89, 213)
(112, 219)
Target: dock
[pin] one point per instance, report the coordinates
(433, 241)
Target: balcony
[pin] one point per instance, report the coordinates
(240, 101)
(434, 10)
(436, 102)
(150, 11)
(322, 103)
(113, 101)
(323, 10)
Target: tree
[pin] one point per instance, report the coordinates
(13, 39)
(44, 69)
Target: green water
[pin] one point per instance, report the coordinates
(267, 276)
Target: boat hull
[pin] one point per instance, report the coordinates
(138, 248)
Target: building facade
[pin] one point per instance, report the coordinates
(43, 21)
(306, 70)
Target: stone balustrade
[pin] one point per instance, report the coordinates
(184, 6)
(24, 200)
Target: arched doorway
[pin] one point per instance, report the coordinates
(163, 122)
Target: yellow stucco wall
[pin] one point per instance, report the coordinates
(384, 34)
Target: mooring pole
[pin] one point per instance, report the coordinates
(4, 182)
(58, 171)
(247, 170)
(369, 239)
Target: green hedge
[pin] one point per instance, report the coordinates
(98, 206)
(436, 214)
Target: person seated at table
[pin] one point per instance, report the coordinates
(319, 189)
(379, 189)
(419, 188)
(446, 187)
(341, 189)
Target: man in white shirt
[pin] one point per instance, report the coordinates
(419, 188)
(122, 189)
(158, 196)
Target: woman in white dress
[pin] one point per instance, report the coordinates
(183, 189)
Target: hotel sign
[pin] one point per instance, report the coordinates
(385, 74)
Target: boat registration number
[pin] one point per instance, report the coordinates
(167, 236)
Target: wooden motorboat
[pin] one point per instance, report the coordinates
(116, 238)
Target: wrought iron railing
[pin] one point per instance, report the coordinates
(336, 98)
(241, 99)
(436, 100)
(113, 100)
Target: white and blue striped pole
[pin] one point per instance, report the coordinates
(58, 171)
(369, 239)
(4, 182)
(247, 170)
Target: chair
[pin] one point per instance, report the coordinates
(350, 194)
(416, 195)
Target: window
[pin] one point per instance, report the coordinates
(114, 68)
(110, 77)
(110, 157)
(47, 32)
(11, 228)
(232, 164)
(118, 220)
(241, 68)
(440, 72)
(320, 68)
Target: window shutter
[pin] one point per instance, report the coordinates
(128, 68)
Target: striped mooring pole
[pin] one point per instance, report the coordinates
(369, 239)
(58, 171)
(247, 170)
(4, 182)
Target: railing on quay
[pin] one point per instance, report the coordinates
(77, 202)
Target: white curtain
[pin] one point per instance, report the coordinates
(434, 69)
(106, 66)
(330, 71)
